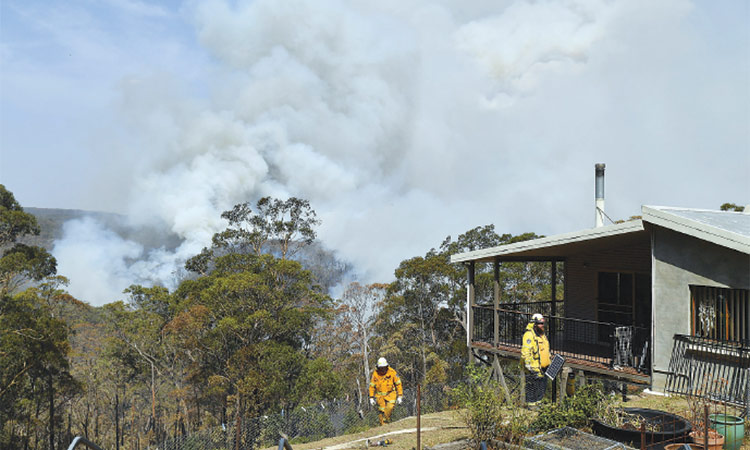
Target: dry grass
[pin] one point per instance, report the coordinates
(675, 405)
(447, 426)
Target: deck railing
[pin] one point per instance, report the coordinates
(604, 343)
(712, 369)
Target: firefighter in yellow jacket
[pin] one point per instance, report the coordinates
(385, 390)
(536, 358)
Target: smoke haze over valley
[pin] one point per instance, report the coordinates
(401, 123)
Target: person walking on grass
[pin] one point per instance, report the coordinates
(385, 390)
(536, 359)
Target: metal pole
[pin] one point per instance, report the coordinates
(237, 432)
(643, 436)
(419, 413)
(705, 427)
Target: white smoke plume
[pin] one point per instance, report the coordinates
(401, 123)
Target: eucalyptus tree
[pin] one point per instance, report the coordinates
(20, 263)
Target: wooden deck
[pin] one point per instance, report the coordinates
(583, 361)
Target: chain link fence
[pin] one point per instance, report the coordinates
(305, 423)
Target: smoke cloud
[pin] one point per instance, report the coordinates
(402, 124)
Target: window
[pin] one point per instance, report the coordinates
(721, 314)
(623, 298)
(615, 297)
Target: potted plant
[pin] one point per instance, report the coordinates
(699, 407)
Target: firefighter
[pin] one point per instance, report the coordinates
(385, 390)
(536, 358)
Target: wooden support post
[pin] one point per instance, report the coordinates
(498, 371)
(496, 315)
(580, 380)
(551, 328)
(522, 384)
(563, 384)
(470, 308)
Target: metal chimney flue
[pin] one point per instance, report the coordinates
(599, 184)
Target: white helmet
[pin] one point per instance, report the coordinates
(382, 362)
(537, 318)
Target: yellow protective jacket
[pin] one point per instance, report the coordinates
(535, 350)
(388, 385)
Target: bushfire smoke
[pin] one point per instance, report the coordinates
(403, 123)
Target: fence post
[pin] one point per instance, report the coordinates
(419, 414)
(237, 432)
(522, 384)
(705, 427)
(563, 383)
(643, 435)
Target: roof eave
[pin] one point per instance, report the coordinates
(550, 241)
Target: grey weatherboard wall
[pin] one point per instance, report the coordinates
(679, 261)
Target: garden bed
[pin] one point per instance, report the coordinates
(660, 427)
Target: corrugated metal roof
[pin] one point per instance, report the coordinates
(728, 229)
(731, 221)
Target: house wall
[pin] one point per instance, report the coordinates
(581, 274)
(679, 261)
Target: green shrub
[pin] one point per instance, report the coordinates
(576, 411)
(486, 415)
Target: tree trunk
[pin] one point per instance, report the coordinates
(117, 422)
(366, 360)
(153, 394)
(51, 394)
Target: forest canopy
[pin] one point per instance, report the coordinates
(252, 330)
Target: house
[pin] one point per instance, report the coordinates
(629, 289)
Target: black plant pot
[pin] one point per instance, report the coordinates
(673, 429)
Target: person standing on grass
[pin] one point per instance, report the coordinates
(536, 359)
(385, 390)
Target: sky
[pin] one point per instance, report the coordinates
(401, 122)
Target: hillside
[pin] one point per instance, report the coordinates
(51, 221)
(437, 428)
(326, 267)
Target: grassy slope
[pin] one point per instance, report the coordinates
(449, 426)
(452, 428)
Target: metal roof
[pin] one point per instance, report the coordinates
(728, 229)
(558, 245)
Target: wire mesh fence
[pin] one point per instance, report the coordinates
(305, 423)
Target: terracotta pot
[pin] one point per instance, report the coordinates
(715, 440)
(681, 446)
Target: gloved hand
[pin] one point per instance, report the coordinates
(399, 400)
(372, 401)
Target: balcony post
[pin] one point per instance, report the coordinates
(553, 276)
(469, 307)
(553, 310)
(496, 315)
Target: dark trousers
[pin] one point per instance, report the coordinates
(536, 387)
